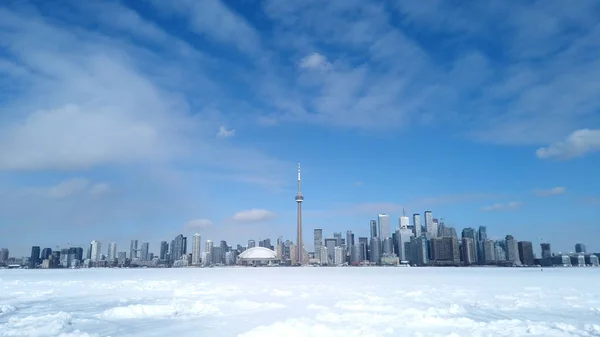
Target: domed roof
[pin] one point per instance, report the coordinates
(258, 253)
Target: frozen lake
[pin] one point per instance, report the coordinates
(301, 302)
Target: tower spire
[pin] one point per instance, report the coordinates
(299, 179)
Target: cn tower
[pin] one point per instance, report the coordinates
(299, 200)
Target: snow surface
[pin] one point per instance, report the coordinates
(290, 302)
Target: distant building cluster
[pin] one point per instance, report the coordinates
(433, 243)
(427, 243)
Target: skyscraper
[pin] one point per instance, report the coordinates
(299, 200)
(384, 226)
(133, 249)
(580, 248)
(546, 251)
(526, 253)
(373, 227)
(417, 224)
(35, 256)
(196, 249)
(164, 249)
(112, 251)
(403, 222)
(209, 251)
(95, 251)
(145, 251)
(431, 231)
(318, 238)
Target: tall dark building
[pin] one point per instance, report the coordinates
(46, 253)
(546, 251)
(35, 257)
(445, 251)
(526, 253)
(364, 248)
(580, 248)
(373, 226)
(164, 249)
(482, 233)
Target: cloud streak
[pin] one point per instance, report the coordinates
(550, 192)
(509, 206)
(577, 144)
(253, 215)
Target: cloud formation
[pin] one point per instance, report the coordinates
(225, 133)
(550, 192)
(577, 144)
(253, 215)
(315, 61)
(198, 224)
(502, 207)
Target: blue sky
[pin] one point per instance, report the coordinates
(141, 120)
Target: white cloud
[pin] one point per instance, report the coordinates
(225, 133)
(66, 188)
(315, 61)
(99, 189)
(197, 224)
(550, 192)
(502, 207)
(577, 144)
(253, 215)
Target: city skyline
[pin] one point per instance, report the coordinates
(163, 122)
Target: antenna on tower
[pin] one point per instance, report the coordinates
(403, 212)
(298, 171)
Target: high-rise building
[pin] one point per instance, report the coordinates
(364, 248)
(373, 227)
(164, 249)
(468, 251)
(95, 251)
(133, 249)
(546, 251)
(4, 255)
(318, 238)
(512, 250)
(145, 252)
(196, 249)
(580, 248)
(46, 253)
(383, 221)
(526, 253)
(489, 254)
(34, 260)
(417, 224)
(403, 222)
(482, 233)
(445, 251)
(330, 245)
(338, 239)
(209, 251)
(374, 250)
(251, 244)
(112, 251)
(403, 237)
(349, 241)
(420, 249)
(338, 256)
(299, 240)
(429, 225)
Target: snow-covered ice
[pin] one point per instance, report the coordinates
(330, 302)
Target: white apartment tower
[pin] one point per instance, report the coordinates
(196, 249)
(429, 225)
(417, 224)
(112, 251)
(95, 251)
(383, 221)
